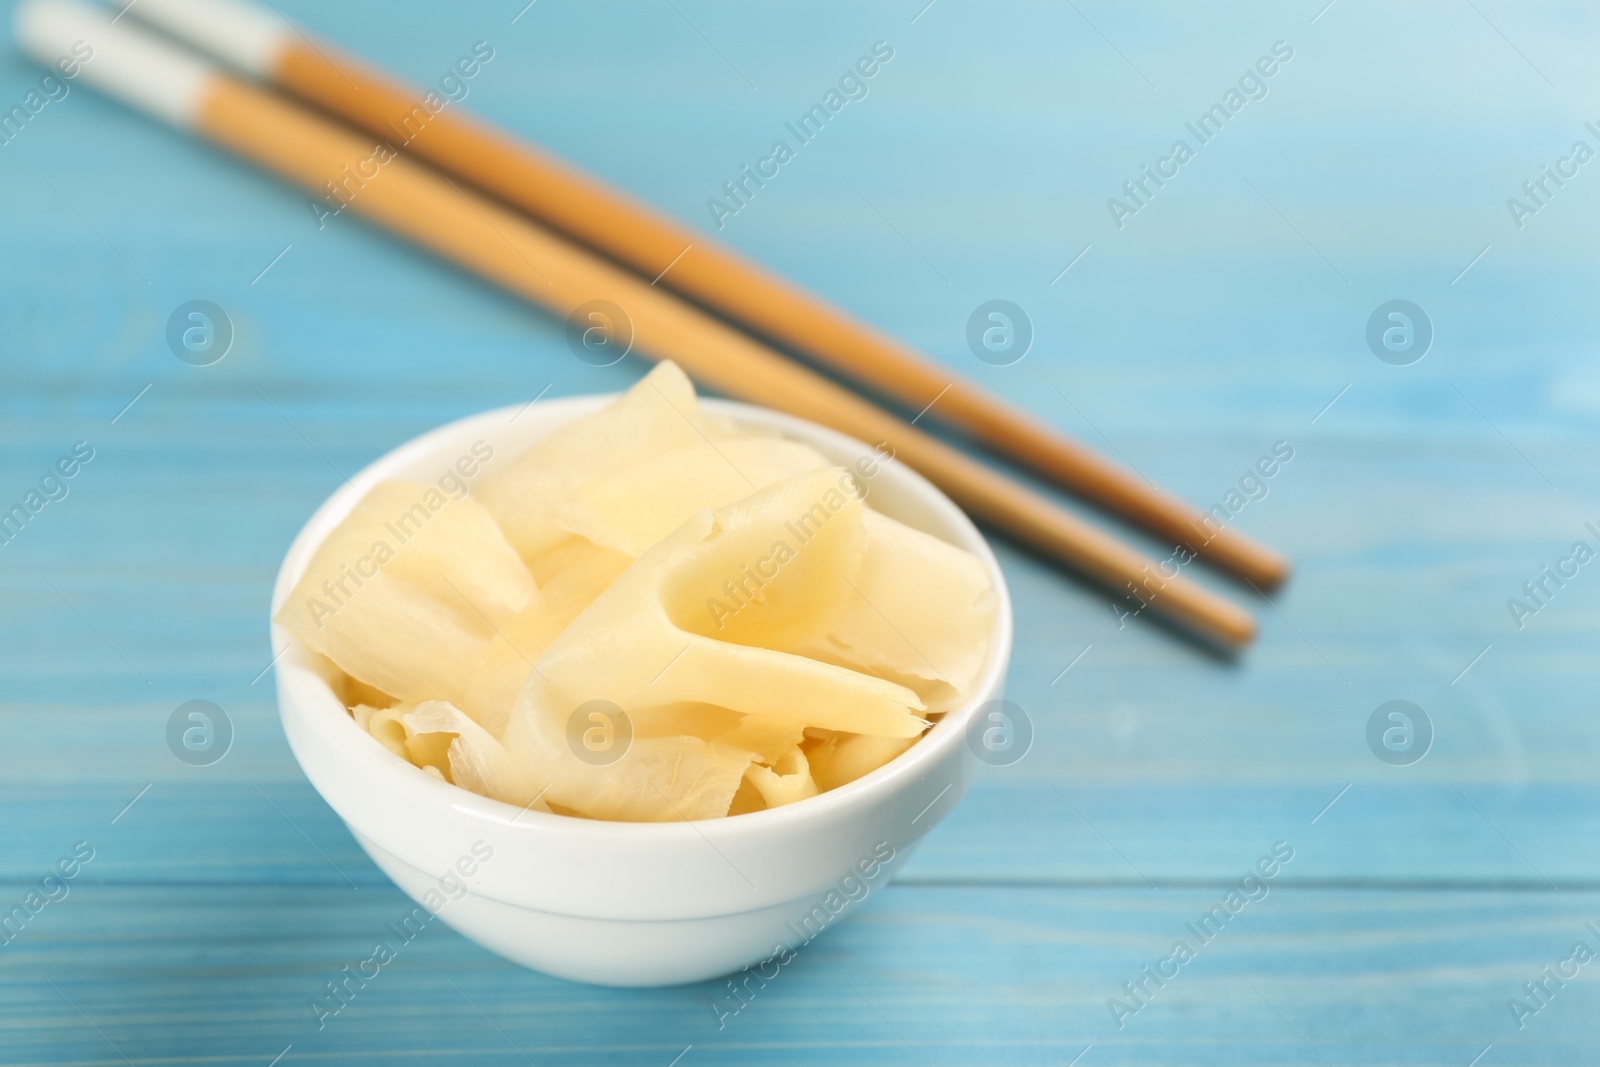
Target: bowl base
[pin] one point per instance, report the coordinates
(616, 952)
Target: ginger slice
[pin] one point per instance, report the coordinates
(705, 617)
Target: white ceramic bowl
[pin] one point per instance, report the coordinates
(633, 904)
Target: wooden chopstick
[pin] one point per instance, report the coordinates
(692, 264)
(503, 246)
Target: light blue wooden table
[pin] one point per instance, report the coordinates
(1228, 313)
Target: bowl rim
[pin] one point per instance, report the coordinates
(901, 771)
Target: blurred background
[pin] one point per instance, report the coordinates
(1226, 316)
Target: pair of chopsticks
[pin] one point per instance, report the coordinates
(519, 223)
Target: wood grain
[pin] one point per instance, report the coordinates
(1193, 339)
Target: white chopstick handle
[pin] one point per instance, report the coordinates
(244, 36)
(133, 65)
